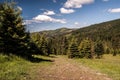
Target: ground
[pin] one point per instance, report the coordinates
(63, 68)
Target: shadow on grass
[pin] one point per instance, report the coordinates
(52, 56)
(37, 60)
(28, 58)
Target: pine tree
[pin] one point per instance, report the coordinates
(73, 49)
(85, 49)
(99, 49)
(44, 46)
(13, 37)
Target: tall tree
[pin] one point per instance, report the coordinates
(73, 49)
(99, 49)
(44, 46)
(85, 48)
(13, 37)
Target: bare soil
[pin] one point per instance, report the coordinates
(67, 69)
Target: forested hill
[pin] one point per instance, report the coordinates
(105, 30)
(61, 41)
(51, 33)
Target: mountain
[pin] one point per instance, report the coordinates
(106, 31)
(57, 32)
(59, 40)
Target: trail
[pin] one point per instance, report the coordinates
(67, 69)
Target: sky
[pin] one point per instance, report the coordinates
(39, 15)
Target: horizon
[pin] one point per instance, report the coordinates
(41, 15)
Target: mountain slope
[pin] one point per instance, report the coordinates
(108, 33)
(57, 32)
(106, 30)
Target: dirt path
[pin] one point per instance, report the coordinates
(67, 69)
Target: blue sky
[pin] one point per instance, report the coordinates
(41, 15)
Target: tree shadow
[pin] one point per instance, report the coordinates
(52, 56)
(37, 60)
(31, 58)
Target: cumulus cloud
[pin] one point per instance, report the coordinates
(76, 3)
(49, 13)
(44, 18)
(66, 11)
(115, 10)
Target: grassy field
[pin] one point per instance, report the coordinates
(109, 65)
(16, 68)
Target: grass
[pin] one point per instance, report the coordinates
(16, 68)
(109, 65)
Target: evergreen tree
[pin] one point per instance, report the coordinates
(73, 49)
(44, 46)
(99, 49)
(13, 38)
(85, 49)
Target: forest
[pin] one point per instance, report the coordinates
(91, 42)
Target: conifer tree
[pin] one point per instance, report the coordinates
(85, 49)
(99, 49)
(44, 46)
(73, 49)
(13, 38)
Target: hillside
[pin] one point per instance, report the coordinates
(105, 30)
(59, 40)
(57, 32)
(102, 29)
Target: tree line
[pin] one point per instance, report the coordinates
(89, 42)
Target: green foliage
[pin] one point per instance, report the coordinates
(13, 38)
(99, 49)
(41, 43)
(85, 49)
(60, 41)
(107, 32)
(44, 46)
(73, 49)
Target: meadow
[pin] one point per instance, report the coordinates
(16, 68)
(109, 65)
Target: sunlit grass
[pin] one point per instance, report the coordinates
(109, 65)
(16, 68)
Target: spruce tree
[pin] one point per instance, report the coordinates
(99, 49)
(44, 46)
(85, 49)
(13, 38)
(73, 49)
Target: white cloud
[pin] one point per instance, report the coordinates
(105, 0)
(20, 8)
(49, 13)
(115, 10)
(44, 18)
(76, 3)
(26, 22)
(66, 11)
(76, 23)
